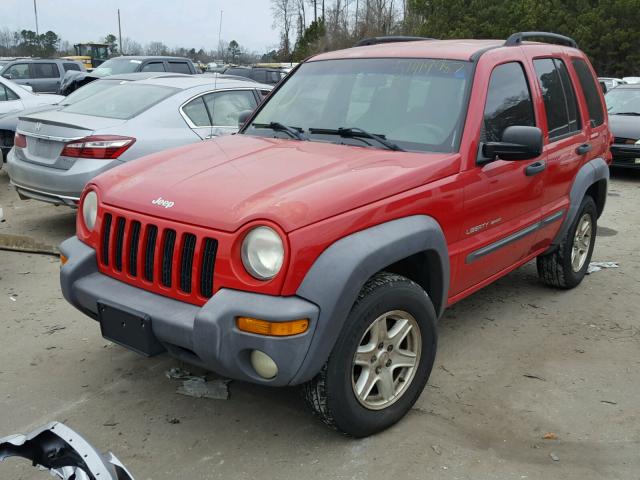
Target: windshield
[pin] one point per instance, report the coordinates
(417, 104)
(123, 101)
(623, 101)
(90, 89)
(116, 66)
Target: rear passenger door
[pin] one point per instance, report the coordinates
(179, 67)
(45, 77)
(501, 198)
(565, 138)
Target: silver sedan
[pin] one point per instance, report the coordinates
(56, 153)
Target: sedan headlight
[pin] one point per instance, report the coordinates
(90, 210)
(262, 253)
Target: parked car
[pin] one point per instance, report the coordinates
(122, 65)
(611, 82)
(14, 97)
(270, 76)
(42, 75)
(9, 122)
(631, 80)
(57, 152)
(373, 188)
(623, 105)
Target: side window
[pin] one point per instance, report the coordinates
(71, 66)
(259, 75)
(153, 67)
(196, 110)
(45, 70)
(558, 95)
(508, 102)
(3, 93)
(179, 67)
(225, 107)
(590, 90)
(19, 71)
(11, 95)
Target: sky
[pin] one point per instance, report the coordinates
(176, 23)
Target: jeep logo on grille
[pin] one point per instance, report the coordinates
(163, 203)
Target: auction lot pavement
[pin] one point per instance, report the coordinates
(517, 362)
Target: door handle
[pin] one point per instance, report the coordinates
(535, 168)
(583, 149)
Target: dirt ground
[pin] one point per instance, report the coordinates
(516, 361)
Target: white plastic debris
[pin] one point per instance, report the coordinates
(597, 266)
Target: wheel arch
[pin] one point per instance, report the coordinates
(337, 276)
(592, 179)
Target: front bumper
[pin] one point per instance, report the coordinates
(205, 336)
(54, 185)
(625, 155)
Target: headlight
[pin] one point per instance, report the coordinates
(90, 210)
(262, 253)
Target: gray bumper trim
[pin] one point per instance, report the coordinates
(204, 336)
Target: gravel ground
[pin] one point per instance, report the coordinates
(517, 362)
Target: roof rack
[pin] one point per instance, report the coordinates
(389, 39)
(517, 38)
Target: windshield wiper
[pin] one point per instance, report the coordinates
(633, 114)
(293, 132)
(355, 132)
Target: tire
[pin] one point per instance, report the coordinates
(386, 304)
(560, 269)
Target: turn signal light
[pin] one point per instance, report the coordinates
(274, 329)
(104, 147)
(63, 259)
(19, 140)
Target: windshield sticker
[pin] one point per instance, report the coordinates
(446, 67)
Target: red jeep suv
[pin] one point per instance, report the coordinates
(374, 187)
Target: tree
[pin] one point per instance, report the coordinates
(282, 17)
(131, 47)
(112, 43)
(234, 50)
(156, 48)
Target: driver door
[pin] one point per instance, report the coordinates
(502, 199)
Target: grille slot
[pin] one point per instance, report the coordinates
(117, 257)
(210, 247)
(134, 245)
(167, 257)
(106, 237)
(186, 262)
(149, 252)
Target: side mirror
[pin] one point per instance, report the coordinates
(7, 76)
(242, 118)
(518, 143)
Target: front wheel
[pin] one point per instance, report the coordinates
(382, 360)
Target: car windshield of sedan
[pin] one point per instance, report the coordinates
(623, 101)
(117, 66)
(409, 104)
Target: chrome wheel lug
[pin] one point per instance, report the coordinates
(389, 348)
(373, 359)
(388, 364)
(378, 370)
(380, 346)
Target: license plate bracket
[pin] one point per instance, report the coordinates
(128, 328)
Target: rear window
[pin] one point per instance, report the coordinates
(90, 89)
(123, 102)
(179, 67)
(590, 90)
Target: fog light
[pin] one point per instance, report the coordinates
(263, 364)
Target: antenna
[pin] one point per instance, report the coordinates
(215, 78)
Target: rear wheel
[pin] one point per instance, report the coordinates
(568, 264)
(382, 360)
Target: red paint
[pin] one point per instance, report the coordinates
(315, 193)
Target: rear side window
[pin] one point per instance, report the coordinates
(225, 107)
(45, 70)
(6, 94)
(590, 90)
(123, 102)
(179, 67)
(196, 110)
(508, 102)
(71, 66)
(153, 67)
(559, 97)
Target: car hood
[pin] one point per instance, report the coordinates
(224, 183)
(625, 126)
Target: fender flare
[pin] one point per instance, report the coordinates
(590, 173)
(339, 273)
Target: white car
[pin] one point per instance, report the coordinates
(631, 79)
(14, 97)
